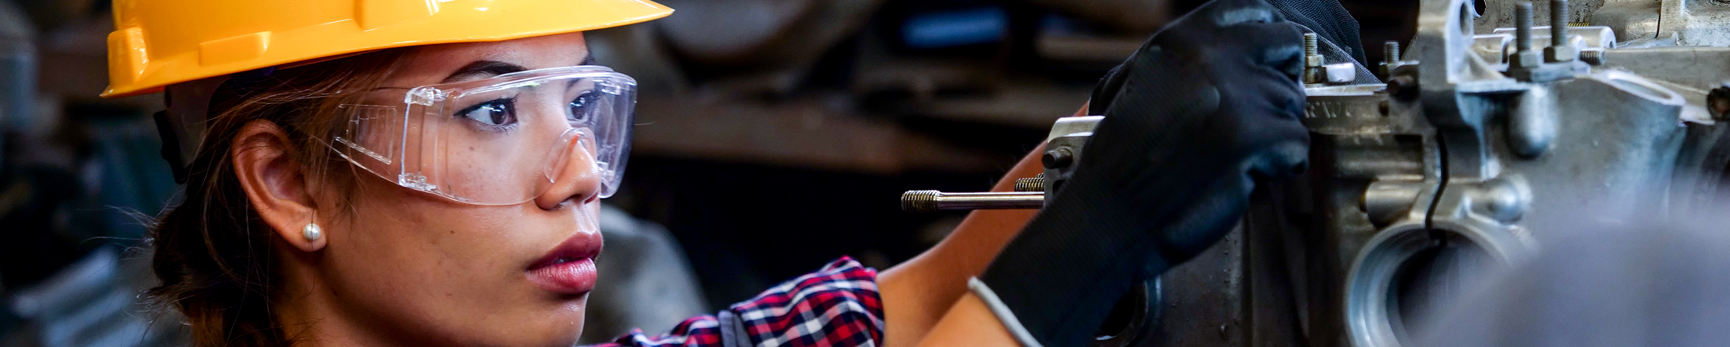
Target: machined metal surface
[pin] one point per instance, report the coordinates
(1498, 148)
(1420, 187)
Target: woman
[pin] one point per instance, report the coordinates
(395, 172)
(494, 134)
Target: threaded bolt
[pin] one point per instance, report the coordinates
(1312, 48)
(1558, 22)
(932, 201)
(1030, 184)
(1559, 50)
(919, 200)
(1524, 58)
(1312, 59)
(1523, 27)
(1310, 45)
(1390, 57)
(1391, 52)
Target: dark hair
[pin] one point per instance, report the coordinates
(214, 257)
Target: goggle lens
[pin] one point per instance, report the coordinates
(499, 141)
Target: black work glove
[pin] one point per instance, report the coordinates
(1198, 116)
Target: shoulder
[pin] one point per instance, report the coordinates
(843, 281)
(838, 305)
(695, 331)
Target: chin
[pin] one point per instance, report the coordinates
(565, 321)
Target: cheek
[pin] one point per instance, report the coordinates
(433, 266)
(400, 238)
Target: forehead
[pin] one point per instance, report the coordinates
(434, 63)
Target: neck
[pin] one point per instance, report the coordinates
(308, 311)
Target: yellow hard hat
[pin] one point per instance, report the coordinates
(161, 42)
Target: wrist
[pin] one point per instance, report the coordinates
(1062, 275)
(1004, 315)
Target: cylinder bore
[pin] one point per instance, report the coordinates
(1406, 272)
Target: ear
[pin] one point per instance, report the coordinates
(275, 183)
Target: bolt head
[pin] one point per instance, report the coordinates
(1557, 54)
(1718, 102)
(1402, 87)
(1057, 158)
(1502, 199)
(1524, 60)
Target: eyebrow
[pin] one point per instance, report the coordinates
(483, 68)
(489, 68)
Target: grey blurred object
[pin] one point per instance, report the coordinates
(1419, 187)
(94, 302)
(1639, 282)
(778, 38)
(646, 281)
(968, 92)
(1135, 18)
(723, 115)
(52, 14)
(636, 50)
(17, 70)
(988, 92)
(760, 32)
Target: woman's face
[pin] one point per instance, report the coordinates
(418, 268)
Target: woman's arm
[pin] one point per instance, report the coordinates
(918, 292)
(969, 323)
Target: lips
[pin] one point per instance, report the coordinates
(568, 268)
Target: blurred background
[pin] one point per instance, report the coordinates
(773, 136)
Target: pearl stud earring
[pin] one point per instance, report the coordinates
(311, 232)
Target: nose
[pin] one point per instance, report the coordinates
(575, 177)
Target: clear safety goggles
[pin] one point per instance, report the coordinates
(499, 141)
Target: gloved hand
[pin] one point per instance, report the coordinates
(1203, 112)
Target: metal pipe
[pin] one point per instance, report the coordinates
(932, 201)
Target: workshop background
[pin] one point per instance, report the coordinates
(773, 136)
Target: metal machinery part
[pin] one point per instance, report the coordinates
(1636, 22)
(1479, 140)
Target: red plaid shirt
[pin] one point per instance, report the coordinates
(836, 306)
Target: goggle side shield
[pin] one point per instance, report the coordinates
(497, 141)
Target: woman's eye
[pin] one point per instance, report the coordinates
(580, 107)
(497, 112)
